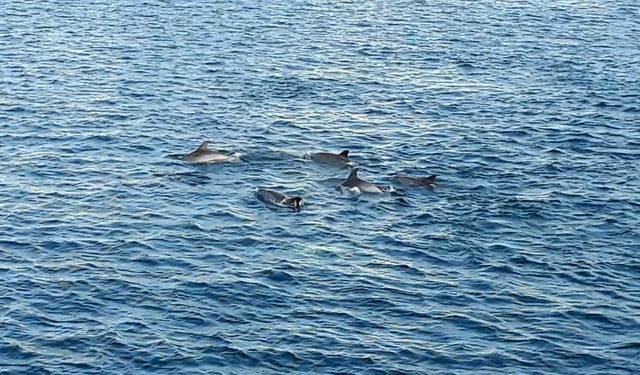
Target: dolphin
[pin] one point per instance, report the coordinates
(427, 182)
(205, 156)
(278, 199)
(363, 186)
(337, 160)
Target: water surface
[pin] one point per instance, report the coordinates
(117, 259)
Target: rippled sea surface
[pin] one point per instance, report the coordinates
(116, 258)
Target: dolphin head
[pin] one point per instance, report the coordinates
(296, 202)
(429, 181)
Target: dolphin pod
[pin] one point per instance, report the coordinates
(203, 155)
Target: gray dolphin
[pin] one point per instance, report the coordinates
(363, 186)
(337, 160)
(205, 156)
(278, 199)
(416, 181)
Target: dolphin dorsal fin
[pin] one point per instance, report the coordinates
(344, 153)
(431, 178)
(203, 146)
(353, 175)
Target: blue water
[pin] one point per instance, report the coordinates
(117, 259)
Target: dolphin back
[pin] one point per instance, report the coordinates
(339, 160)
(278, 199)
(416, 181)
(270, 196)
(368, 187)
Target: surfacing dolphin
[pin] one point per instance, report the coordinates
(427, 182)
(278, 199)
(337, 160)
(205, 156)
(354, 182)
